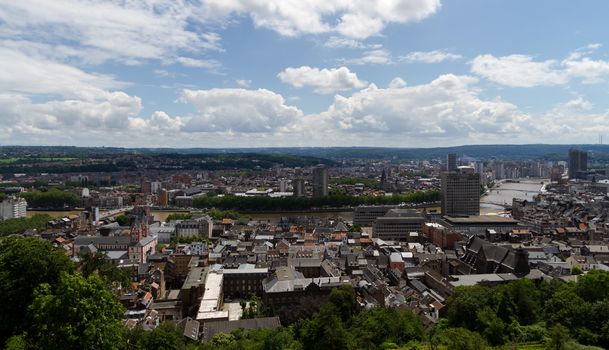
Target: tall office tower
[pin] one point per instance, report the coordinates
(578, 164)
(298, 187)
(320, 181)
(461, 192)
(451, 162)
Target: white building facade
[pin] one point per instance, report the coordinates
(13, 207)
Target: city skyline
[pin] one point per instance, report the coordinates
(420, 73)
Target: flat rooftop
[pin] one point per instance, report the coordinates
(471, 280)
(480, 219)
(213, 286)
(196, 277)
(238, 271)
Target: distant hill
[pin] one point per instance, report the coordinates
(34, 160)
(512, 152)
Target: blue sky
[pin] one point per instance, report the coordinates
(238, 73)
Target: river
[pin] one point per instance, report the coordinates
(504, 192)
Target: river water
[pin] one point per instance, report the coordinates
(504, 192)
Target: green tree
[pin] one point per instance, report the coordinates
(379, 325)
(462, 339)
(20, 225)
(222, 339)
(52, 199)
(303, 203)
(123, 220)
(223, 214)
(493, 329)
(281, 339)
(343, 299)
(17, 342)
(178, 216)
(559, 335)
(355, 228)
(526, 299)
(325, 331)
(465, 303)
(164, 337)
(24, 264)
(576, 270)
(594, 285)
(566, 307)
(77, 313)
(98, 263)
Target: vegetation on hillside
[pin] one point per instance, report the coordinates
(111, 162)
(523, 311)
(25, 263)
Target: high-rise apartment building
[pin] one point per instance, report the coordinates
(13, 207)
(298, 186)
(578, 164)
(283, 185)
(451, 162)
(479, 167)
(498, 170)
(461, 192)
(320, 181)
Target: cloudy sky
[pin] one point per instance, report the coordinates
(238, 73)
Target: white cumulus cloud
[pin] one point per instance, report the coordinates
(524, 71)
(199, 63)
(378, 56)
(448, 108)
(348, 43)
(354, 19)
(397, 83)
(323, 81)
(124, 31)
(518, 70)
(32, 74)
(435, 56)
(243, 82)
(238, 110)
